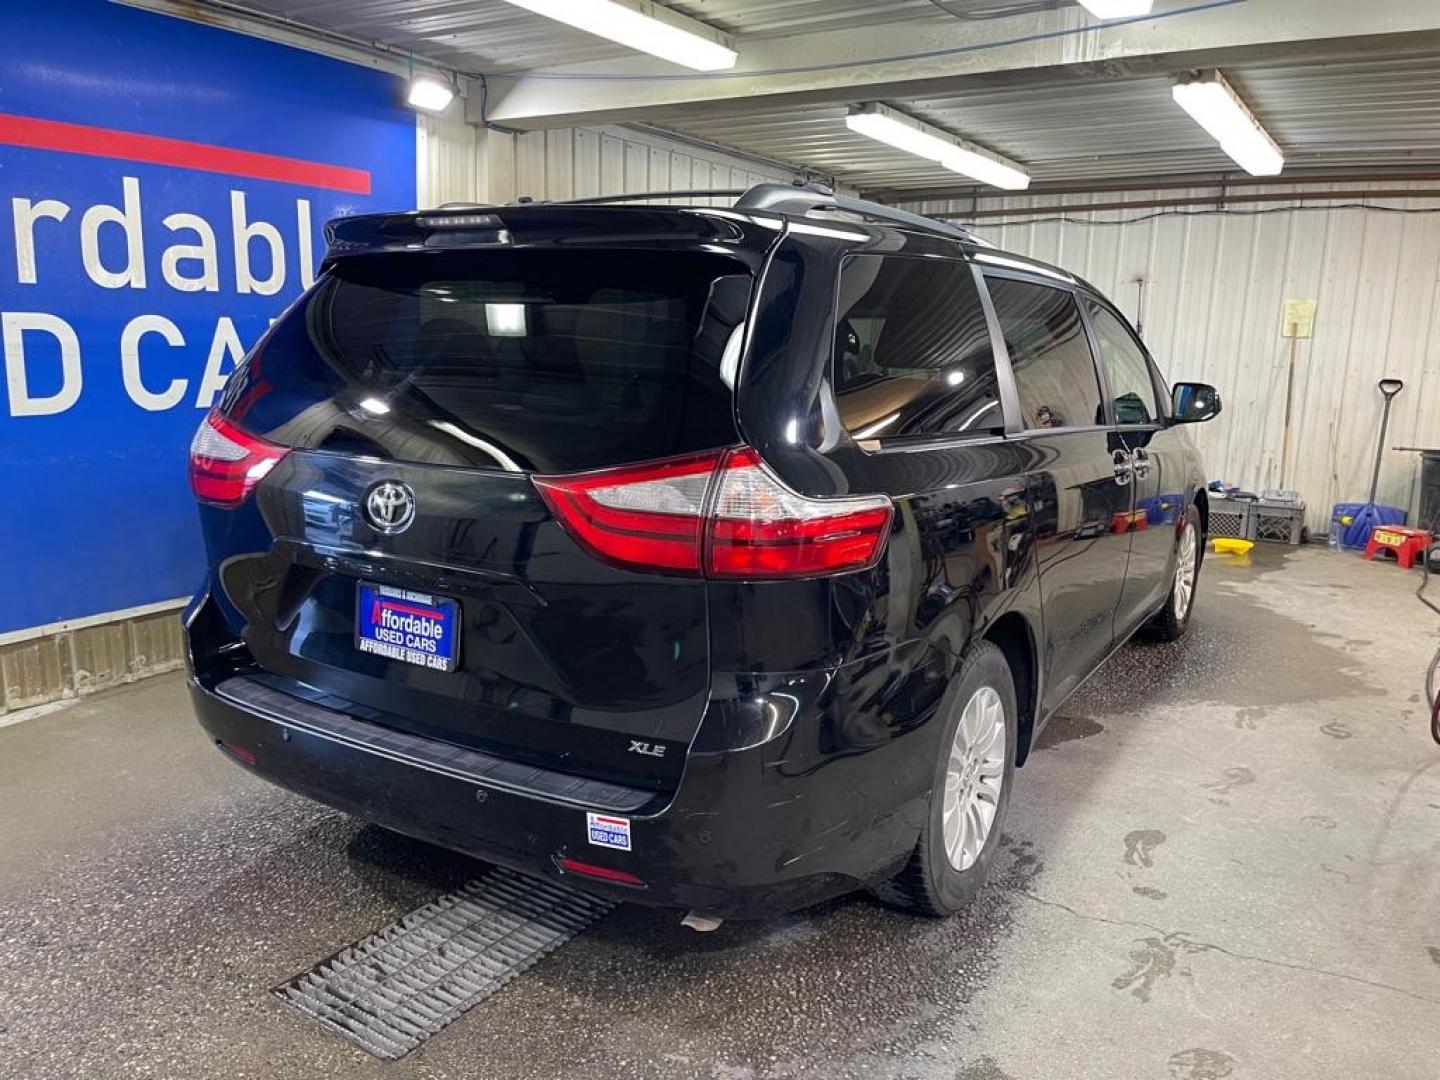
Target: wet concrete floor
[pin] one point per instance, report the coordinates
(1223, 861)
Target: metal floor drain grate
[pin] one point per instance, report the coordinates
(392, 991)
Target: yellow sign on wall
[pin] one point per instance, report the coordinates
(1299, 319)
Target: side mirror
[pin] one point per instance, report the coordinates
(1194, 402)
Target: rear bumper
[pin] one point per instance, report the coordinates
(748, 833)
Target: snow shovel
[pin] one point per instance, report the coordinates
(1370, 514)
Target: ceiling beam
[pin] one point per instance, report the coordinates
(1223, 181)
(933, 57)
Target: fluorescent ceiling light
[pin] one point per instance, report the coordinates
(986, 168)
(894, 128)
(1117, 9)
(430, 94)
(643, 25)
(1218, 109)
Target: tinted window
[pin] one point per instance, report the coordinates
(912, 350)
(1054, 370)
(513, 359)
(1125, 368)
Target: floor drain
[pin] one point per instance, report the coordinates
(392, 991)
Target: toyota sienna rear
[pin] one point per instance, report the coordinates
(692, 556)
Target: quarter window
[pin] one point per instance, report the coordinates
(1126, 368)
(912, 350)
(1054, 369)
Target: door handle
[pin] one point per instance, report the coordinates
(1141, 458)
(1124, 467)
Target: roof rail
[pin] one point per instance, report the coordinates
(795, 198)
(645, 196)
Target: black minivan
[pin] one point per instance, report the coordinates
(721, 559)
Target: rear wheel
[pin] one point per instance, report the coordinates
(970, 793)
(1172, 620)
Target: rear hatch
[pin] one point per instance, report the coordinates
(409, 566)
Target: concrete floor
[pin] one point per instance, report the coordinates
(1225, 862)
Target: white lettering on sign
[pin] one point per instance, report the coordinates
(130, 337)
(128, 220)
(244, 232)
(14, 325)
(303, 230)
(208, 279)
(110, 239)
(225, 343)
(26, 214)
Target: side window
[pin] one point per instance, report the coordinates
(912, 350)
(1125, 368)
(1054, 369)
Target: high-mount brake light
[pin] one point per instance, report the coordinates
(226, 461)
(656, 516)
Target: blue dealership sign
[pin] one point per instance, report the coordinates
(163, 186)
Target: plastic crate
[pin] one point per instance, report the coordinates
(1282, 497)
(1232, 518)
(1278, 522)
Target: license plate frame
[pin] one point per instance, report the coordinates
(408, 627)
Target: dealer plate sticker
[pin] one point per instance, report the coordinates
(411, 627)
(608, 831)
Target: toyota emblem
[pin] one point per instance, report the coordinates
(390, 506)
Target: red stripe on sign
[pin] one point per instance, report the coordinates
(396, 605)
(35, 134)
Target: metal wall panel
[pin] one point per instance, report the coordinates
(93, 655)
(1214, 286)
(466, 164)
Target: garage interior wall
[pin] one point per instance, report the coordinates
(459, 162)
(1214, 286)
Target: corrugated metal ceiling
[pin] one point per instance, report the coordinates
(1358, 114)
(493, 36)
(1350, 114)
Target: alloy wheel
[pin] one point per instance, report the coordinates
(973, 777)
(1185, 560)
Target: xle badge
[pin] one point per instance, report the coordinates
(608, 831)
(649, 749)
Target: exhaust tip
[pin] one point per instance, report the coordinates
(701, 923)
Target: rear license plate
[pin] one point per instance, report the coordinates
(411, 627)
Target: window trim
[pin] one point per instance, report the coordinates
(1005, 384)
(1157, 384)
(997, 332)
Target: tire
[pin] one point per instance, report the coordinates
(932, 883)
(1173, 618)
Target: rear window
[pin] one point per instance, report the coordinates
(528, 360)
(912, 350)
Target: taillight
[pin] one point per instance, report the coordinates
(760, 528)
(226, 462)
(721, 513)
